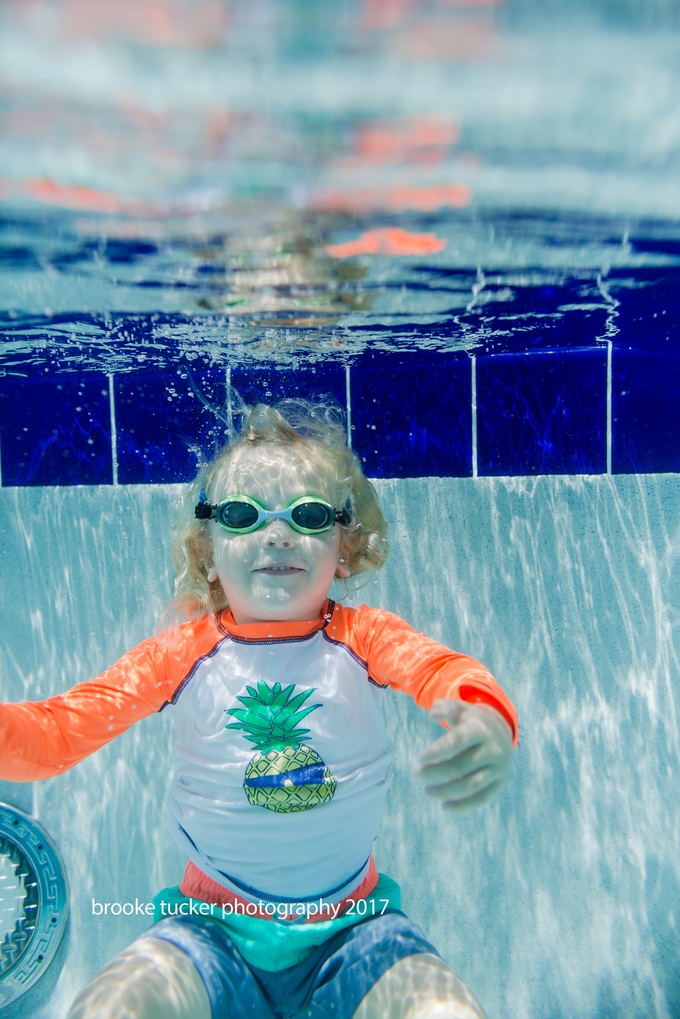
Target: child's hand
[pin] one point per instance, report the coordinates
(470, 764)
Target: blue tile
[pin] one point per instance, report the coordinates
(648, 313)
(645, 411)
(412, 419)
(542, 413)
(55, 431)
(267, 385)
(655, 246)
(511, 315)
(162, 423)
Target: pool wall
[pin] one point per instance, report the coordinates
(560, 899)
(574, 403)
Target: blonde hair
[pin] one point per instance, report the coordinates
(315, 431)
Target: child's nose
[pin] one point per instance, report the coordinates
(279, 534)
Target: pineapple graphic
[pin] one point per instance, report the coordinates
(284, 775)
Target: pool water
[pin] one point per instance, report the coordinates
(461, 219)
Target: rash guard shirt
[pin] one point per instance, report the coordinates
(283, 764)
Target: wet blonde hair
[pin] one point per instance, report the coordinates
(315, 432)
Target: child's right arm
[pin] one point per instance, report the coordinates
(40, 739)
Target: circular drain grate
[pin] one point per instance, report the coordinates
(33, 903)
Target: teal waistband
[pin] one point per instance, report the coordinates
(277, 944)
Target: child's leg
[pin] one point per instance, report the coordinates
(419, 987)
(152, 979)
(384, 968)
(184, 967)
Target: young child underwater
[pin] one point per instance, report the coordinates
(275, 692)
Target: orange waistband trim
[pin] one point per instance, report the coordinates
(197, 885)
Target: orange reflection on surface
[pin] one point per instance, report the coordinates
(76, 197)
(389, 241)
(452, 40)
(424, 138)
(197, 25)
(383, 14)
(397, 198)
(386, 14)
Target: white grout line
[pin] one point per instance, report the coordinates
(230, 417)
(114, 437)
(348, 404)
(473, 363)
(611, 330)
(609, 406)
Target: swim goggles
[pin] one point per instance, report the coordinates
(241, 514)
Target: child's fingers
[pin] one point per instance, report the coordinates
(451, 769)
(462, 788)
(476, 800)
(460, 739)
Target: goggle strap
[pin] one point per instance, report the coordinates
(344, 516)
(204, 510)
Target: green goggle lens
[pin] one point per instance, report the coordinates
(242, 514)
(313, 516)
(237, 516)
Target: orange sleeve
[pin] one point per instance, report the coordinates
(40, 739)
(399, 656)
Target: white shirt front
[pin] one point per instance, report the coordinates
(259, 853)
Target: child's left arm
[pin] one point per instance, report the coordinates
(469, 764)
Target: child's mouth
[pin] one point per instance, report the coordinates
(279, 569)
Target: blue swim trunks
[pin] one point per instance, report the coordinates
(331, 981)
(242, 962)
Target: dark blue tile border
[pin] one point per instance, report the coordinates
(542, 413)
(509, 318)
(645, 411)
(166, 423)
(412, 420)
(267, 385)
(648, 312)
(55, 431)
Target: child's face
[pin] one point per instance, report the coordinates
(274, 572)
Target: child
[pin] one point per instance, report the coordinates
(276, 695)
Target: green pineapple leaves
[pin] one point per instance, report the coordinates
(270, 716)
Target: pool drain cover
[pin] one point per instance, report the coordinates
(33, 903)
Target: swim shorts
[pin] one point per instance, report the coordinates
(331, 981)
